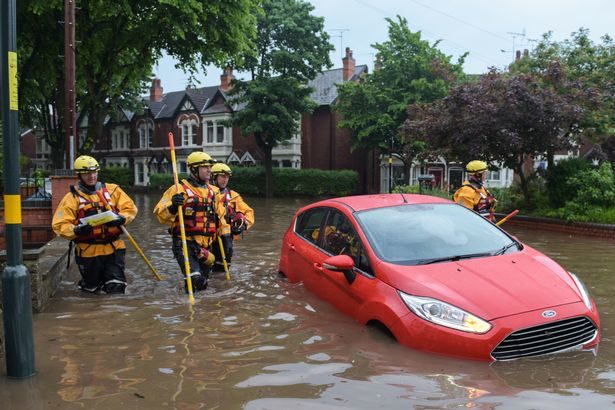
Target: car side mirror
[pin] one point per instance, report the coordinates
(341, 263)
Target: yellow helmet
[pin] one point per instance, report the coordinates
(475, 167)
(85, 164)
(199, 158)
(220, 168)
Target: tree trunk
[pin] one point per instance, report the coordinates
(524, 183)
(268, 172)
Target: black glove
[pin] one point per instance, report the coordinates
(83, 229)
(117, 222)
(177, 200)
(238, 224)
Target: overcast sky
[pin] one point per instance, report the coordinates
(487, 30)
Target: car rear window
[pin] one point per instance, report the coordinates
(415, 234)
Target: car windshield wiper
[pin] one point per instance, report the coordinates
(452, 258)
(503, 249)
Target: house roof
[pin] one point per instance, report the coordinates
(325, 89)
(325, 93)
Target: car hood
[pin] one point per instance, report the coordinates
(490, 287)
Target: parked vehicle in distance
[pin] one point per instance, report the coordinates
(438, 277)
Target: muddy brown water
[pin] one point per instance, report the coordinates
(258, 342)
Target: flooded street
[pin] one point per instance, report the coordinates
(258, 342)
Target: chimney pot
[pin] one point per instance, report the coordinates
(155, 92)
(349, 64)
(226, 78)
(517, 55)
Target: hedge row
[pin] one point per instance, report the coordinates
(286, 181)
(117, 175)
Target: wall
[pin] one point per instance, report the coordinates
(605, 231)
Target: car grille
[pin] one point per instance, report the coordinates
(545, 339)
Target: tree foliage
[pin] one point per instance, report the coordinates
(118, 43)
(502, 119)
(408, 70)
(291, 49)
(585, 62)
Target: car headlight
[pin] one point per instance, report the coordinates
(584, 293)
(443, 314)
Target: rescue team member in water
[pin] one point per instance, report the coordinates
(204, 219)
(239, 215)
(99, 251)
(473, 194)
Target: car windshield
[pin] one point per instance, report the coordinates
(430, 233)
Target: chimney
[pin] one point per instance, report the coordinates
(226, 78)
(349, 64)
(155, 92)
(526, 53)
(517, 55)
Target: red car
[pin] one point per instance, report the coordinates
(438, 277)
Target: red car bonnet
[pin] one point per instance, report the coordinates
(490, 287)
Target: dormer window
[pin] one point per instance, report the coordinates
(188, 132)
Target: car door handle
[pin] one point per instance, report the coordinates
(318, 267)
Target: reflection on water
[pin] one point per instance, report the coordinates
(258, 342)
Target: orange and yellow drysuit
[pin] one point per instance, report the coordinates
(476, 197)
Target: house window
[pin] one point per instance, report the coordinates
(146, 135)
(182, 167)
(119, 140)
(493, 175)
(140, 173)
(42, 148)
(286, 163)
(210, 132)
(188, 133)
(220, 134)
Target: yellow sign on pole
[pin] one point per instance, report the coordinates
(13, 91)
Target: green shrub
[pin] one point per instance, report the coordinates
(594, 187)
(286, 181)
(558, 189)
(163, 181)
(415, 189)
(116, 175)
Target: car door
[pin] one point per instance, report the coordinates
(302, 246)
(340, 238)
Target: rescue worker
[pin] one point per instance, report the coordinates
(99, 251)
(204, 219)
(239, 215)
(473, 194)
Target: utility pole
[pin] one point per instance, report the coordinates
(16, 292)
(70, 118)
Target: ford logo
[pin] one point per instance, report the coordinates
(549, 313)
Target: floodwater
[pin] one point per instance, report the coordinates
(258, 342)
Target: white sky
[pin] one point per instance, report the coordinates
(481, 27)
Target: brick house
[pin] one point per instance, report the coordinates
(139, 141)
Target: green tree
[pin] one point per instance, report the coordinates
(502, 119)
(587, 63)
(408, 70)
(291, 49)
(118, 43)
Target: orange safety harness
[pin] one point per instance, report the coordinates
(101, 234)
(199, 214)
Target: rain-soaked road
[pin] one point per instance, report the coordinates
(258, 342)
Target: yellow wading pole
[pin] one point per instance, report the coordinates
(130, 238)
(507, 217)
(223, 255)
(181, 223)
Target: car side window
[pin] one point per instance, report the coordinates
(308, 224)
(340, 236)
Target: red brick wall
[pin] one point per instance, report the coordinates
(60, 187)
(35, 226)
(587, 229)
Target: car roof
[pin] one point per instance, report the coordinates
(363, 202)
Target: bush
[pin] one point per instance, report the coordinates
(116, 175)
(286, 181)
(558, 189)
(415, 189)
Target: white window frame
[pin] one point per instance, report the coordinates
(188, 139)
(215, 124)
